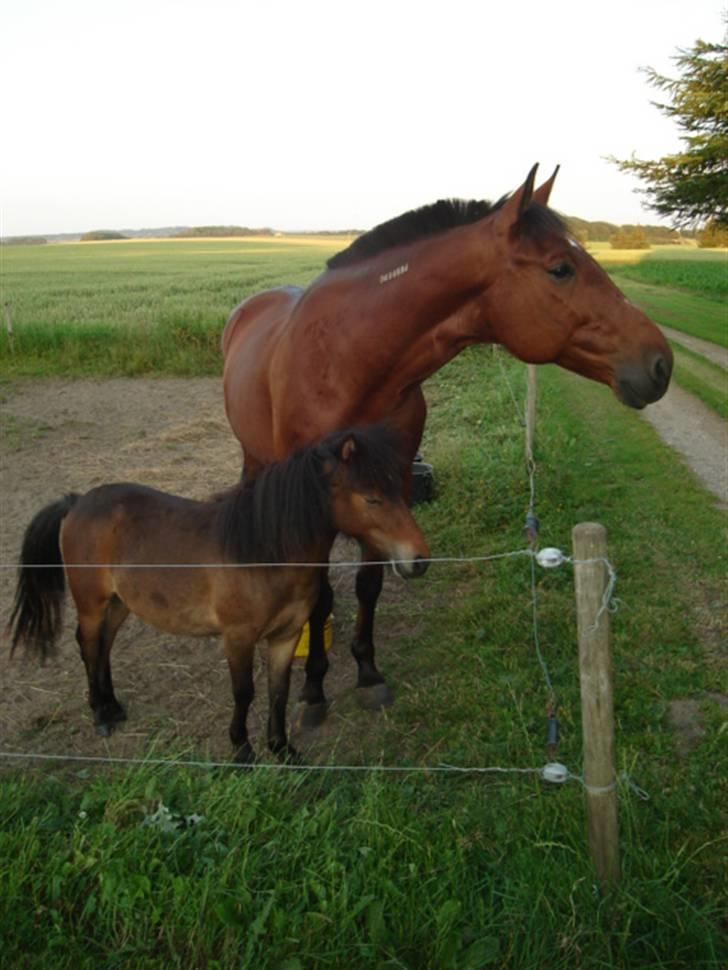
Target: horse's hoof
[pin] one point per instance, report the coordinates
(245, 756)
(110, 714)
(374, 698)
(310, 715)
(288, 755)
(104, 730)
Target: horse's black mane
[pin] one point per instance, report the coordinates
(429, 220)
(284, 513)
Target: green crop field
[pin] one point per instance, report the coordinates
(422, 870)
(704, 272)
(678, 287)
(139, 307)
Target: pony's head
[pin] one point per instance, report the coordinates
(350, 482)
(365, 469)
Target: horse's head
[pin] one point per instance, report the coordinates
(365, 472)
(548, 301)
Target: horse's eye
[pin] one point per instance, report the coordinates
(372, 500)
(561, 271)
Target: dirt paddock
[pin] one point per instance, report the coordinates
(172, 433)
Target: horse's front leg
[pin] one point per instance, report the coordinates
(372, 691)
(313, 698)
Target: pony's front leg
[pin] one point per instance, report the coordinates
(239, 650)
(313, 698)
(372, 691)
(280, 659)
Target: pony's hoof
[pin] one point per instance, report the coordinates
(311, 715)
(374, 698)
(245, 756)
(104, 730)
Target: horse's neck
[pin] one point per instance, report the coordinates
(418, 306)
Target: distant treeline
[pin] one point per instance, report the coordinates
(193, 231)
(625, 236)
(587, 231)
(24, 241)
(102, 235)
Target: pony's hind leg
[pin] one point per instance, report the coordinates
(95, 634)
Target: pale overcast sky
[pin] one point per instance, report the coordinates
(318, 114)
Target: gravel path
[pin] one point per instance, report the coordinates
(692, 429)
(718, 355)
(698, 434)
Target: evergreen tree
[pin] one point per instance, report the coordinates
(691, 186)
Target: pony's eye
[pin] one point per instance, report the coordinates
(561, 271)
(372, 500)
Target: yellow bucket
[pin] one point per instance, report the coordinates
(302, 646)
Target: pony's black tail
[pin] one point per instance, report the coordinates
(38, 605)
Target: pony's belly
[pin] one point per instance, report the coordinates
(174, 601)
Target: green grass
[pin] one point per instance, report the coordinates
(688, 295)
(704, 272)
(701, 377)
(693, 314)
(431, 871)
(133, 308)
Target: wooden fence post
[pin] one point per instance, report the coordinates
(597, 715)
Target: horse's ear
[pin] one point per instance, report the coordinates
(542, 193)
(514, 207)
(347, 449)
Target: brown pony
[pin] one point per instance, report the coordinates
(185, 553)
(393, 308)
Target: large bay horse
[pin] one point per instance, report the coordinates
(172, 561)
(401, 301)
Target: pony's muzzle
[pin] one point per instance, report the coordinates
(411, 568)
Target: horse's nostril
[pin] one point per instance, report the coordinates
(419, 566)
(661, 370)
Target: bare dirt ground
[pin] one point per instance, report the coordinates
(60, 436)
(171, 433)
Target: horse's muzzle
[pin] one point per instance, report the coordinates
(640, 384)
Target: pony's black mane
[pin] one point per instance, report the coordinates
(283, 515)
(429, 220)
